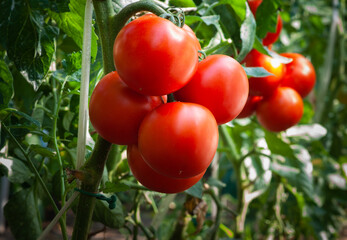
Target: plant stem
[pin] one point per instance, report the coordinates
(325, 77)
(93, 168)
(57, 102)
(37, 175)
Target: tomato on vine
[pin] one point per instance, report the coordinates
(264, 86)
(300, 74)
(178, 139)
(154, 180)
(250, 106)
(270, 37)
(155, 57)
(116, 111)
(281, 110)
(220, 84)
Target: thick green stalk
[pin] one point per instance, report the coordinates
(93, 170)
(109, 25)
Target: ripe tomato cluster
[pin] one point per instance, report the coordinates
(170, 144)
(277, 99)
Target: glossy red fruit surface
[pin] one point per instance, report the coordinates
(116, 111)
(264, 86)
(179, 139)
(155, 57)
(153, 180)
(281, 110)
(220, 84)
(300, 74)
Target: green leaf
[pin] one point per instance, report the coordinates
(72, 24)
(112, 218)
(182, 3)
(196, 190)
(256, 72)
(28, 39)
(277, 146)
(267, 16)
(21, 215)
(296, 177)
(215, 182)
(19, 172)
(247, 34)
(20, 115)
(114, 187)
(239, 6)
(6, 85)
(68, 117)
(54, 5)
(43, 151)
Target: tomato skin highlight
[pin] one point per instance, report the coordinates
(300, 74)
(281, 110)
(220, 84)
(155, 57)
(156, 181)
(250, 106)
(264, 86)
(116, 111)
(178, 140)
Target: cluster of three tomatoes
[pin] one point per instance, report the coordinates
(170, 143)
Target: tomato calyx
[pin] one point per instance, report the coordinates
(175, 15)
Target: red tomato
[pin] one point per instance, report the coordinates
(253, 5)
(270, 37)
(250, 107)
(156, 181)
(155, 57)
(192, 35)
(178, 139)
(300, 74)
(280, 111)
(116, 111)
(220, 84)
(264, 86)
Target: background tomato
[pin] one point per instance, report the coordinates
(300, 74)
(270, 37)
(250, 106)
(280, 111)
(220, 84)
(155, 57)
(116, 111)
(179, 139)
(264, 86)
(153, 180)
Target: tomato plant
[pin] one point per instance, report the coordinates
(281, 110)
(220, 84)
(155, 65)
(178, 139)
(116, 111)
(264, 86)
(156, 181)
(300, 74)
(260, 185)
